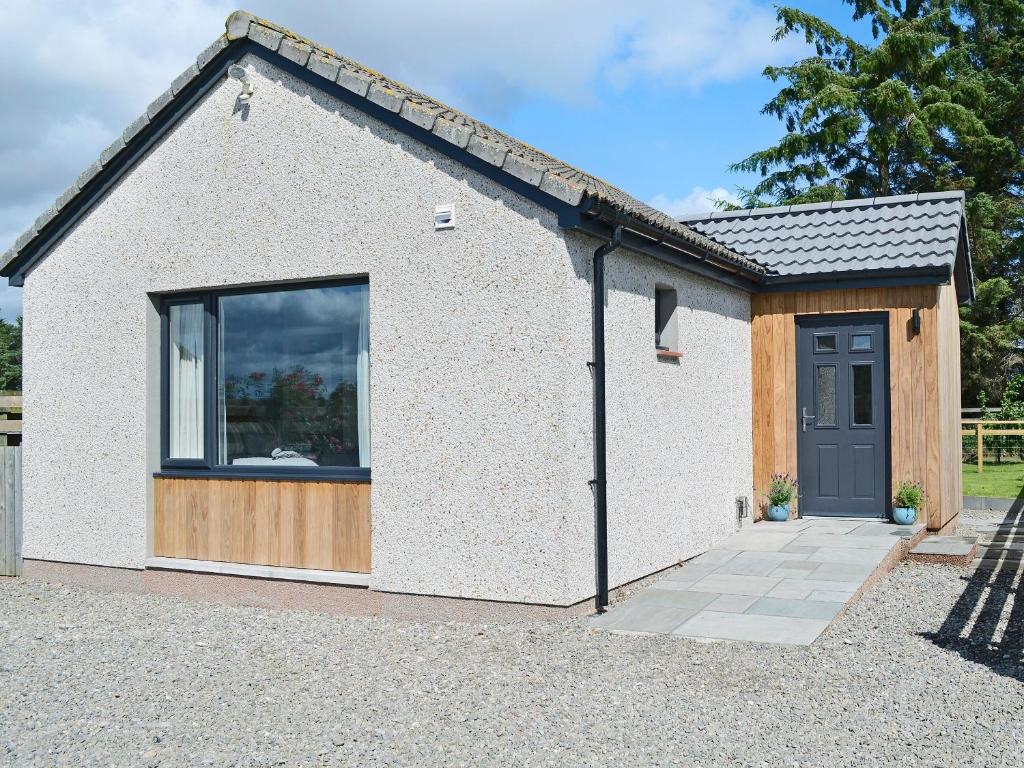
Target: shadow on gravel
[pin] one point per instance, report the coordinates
(974, 628)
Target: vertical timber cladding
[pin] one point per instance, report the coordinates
(293, 524)
(924, 384)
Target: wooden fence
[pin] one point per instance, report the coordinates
(979, 429)
(10, 485)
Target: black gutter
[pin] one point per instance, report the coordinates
(600, 481)
(689, 260)
(652, 238)
(868, 278)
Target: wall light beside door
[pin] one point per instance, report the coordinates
(915, 322)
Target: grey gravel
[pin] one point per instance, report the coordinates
(113, 679)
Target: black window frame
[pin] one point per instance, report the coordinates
(666, 329)
(208, 466)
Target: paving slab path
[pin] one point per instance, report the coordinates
(770, 583)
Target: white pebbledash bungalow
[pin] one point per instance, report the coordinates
(301, 321)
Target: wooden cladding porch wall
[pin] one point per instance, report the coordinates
(923, 447)
(304, 524)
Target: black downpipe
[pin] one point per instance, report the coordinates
(600, 481)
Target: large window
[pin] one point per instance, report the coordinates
(268, 381)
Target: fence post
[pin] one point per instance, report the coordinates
(10, 511)
(981, 448)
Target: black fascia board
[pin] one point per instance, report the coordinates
(873, 278)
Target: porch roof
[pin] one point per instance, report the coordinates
(904, 234)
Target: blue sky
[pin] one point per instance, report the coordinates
(656, 96)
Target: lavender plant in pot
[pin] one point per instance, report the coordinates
(906, 501)
(781, 492)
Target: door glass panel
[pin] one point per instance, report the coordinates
(862, 395)
(825, 387)
(860, 342)
(825, 342)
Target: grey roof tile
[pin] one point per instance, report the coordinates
(111, 151)
(524, 169)
(882, 233)
(324, 65)
(489, 151)
(423, 115)
(211, 51)
(388, 98)
(237, 25)
(159, 103)
(357, 82)
(265, 35)
(455, 132)
(87, 175)
(184, 79)
(25, 238)
(134, 127)
(45, 217)
(67, 196)
(295, 51)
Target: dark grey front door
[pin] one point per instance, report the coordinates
(842, 414)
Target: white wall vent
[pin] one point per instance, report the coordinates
(444, 217)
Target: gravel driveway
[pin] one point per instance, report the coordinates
(97, 678)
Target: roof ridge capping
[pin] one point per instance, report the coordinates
(857, 202)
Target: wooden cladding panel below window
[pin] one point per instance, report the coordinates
(304, 524)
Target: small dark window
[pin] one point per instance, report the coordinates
(862, 416)
(666, 332)
(825, 342)
(860, 342)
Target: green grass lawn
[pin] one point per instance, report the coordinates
(1004, 481)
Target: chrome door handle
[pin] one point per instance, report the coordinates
(805, 419)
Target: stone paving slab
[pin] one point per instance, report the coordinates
(783, 630)
(955, 546)
(799, 609)
(772, 583)
(729, 584)
(732, 603)
(650, 619)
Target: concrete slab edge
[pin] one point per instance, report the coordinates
(896, 555)
(991, 503)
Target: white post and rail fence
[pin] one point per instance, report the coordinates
(10, 484)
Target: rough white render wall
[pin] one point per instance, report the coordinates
(679, 433)
(481, 410)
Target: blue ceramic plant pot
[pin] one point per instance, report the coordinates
(904, 515)
(778, 513)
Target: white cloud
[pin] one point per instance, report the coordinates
(700, 200)
(491, 54)
(76, 73)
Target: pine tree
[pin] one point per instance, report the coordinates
(934, 103)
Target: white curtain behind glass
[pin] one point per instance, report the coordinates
(363, 379)
(186, 381)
